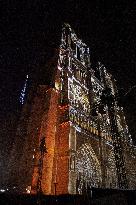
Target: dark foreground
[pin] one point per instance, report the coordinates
(94, 197)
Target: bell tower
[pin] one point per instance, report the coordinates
(65, 141)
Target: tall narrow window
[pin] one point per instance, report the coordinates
(78, 54)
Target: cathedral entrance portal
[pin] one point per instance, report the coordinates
(88, 168)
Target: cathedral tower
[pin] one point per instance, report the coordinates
(67, 144)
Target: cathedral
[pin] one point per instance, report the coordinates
(72, 135)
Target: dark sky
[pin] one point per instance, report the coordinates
(108, 28)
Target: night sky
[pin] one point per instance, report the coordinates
(107, 28)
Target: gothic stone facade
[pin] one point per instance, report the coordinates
(79, 145)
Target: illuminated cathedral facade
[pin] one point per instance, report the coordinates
(69, 138)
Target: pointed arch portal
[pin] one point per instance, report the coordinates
(88, 168)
